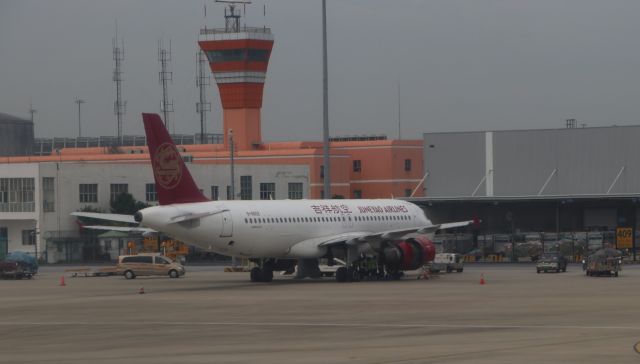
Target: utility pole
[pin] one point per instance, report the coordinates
(79, 101)
(202, 81)
(325, 105)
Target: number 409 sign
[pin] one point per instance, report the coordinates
(624, 238)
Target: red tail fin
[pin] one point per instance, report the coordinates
(174, 183)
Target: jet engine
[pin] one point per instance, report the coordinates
(408, 254)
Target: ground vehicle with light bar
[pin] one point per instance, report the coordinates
(604, 262)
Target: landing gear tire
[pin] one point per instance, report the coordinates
(353, 275)
(267, 275)
(341, 274)
(255, 274)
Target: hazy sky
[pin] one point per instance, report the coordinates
(461, 64)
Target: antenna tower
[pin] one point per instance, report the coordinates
(202, 81)
(165, 76)
(32, 111)
(232, 18)
(119, 106)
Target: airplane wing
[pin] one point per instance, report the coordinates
(316, 246)
(391, 234)
(109, 217)
(124, 229)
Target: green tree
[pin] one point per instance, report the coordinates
(124, 203)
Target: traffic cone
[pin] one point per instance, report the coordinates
(141, 290)
(482, 279)
(62, 281)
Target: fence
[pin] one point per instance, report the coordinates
(526, 247)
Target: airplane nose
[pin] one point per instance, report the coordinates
(138, 216)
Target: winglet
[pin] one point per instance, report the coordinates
(174, 183)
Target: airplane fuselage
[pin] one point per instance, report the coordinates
(275, 228)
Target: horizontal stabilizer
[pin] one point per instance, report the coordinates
(108, 217)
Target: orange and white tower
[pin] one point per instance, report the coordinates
(238, 57)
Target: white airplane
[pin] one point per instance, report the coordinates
(278, 234)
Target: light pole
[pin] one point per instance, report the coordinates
(233, 177)
(79, 101)
(325, 105)
(233, 180)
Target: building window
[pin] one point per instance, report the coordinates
(407, 165)
(48, 194)
(117, 189)
(238, 54)
(88, 193)
(407, 192)
(215, 193)
(295, 191)
(357, 165)
(229, 194)
(17, 195)
(28, 237)
(357, 194)
(268, 191)
(150, 192)
(245, 188)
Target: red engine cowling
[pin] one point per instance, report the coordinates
(409, 254)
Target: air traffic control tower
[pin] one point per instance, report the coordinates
(238, 57)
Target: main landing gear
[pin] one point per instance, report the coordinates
(264, 273)
(261, 275)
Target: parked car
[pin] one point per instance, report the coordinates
(326, 270)
(551, 262)
(131, 266)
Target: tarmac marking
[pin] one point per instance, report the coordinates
(317, 324)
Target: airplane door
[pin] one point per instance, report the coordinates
(227, 224)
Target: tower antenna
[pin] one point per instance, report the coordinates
(165, 76)
(232, 19)
(119, 106)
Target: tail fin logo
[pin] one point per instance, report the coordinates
(166, 166)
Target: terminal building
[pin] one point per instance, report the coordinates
(39, 189)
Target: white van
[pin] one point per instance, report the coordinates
(447, 262)
(131, 266)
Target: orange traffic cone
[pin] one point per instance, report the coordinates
(141, 290)
(482, 279)
(62, 281)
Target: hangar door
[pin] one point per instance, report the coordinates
(597, 218)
